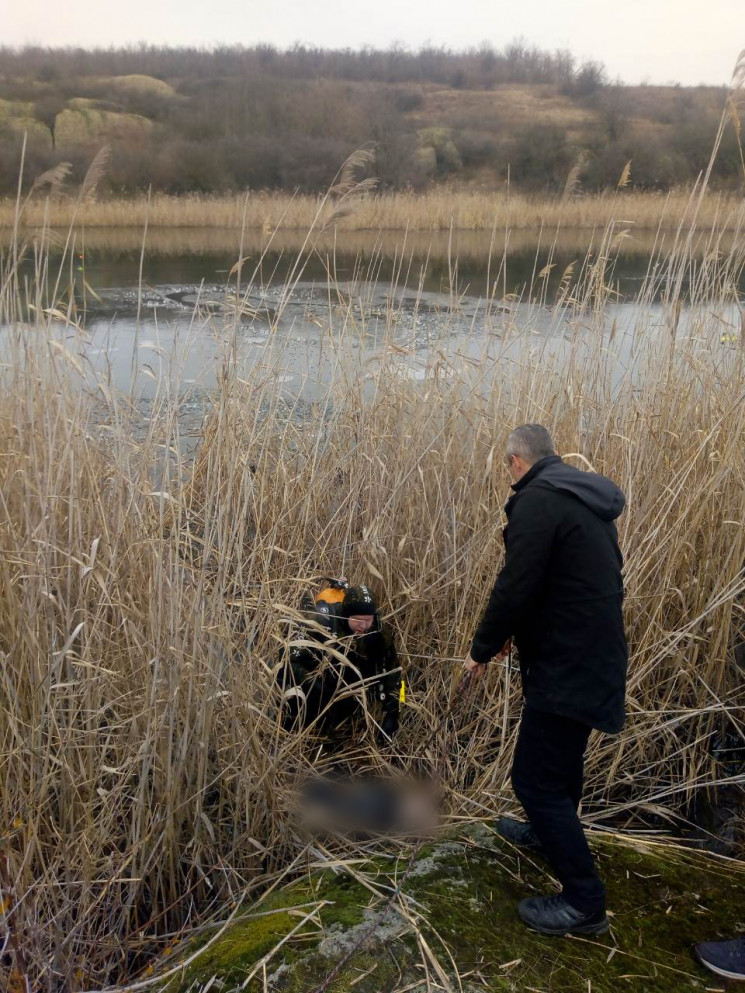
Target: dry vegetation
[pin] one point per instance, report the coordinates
(438, 210)
(185, 121)
(144, 596)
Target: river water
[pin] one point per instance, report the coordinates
(168, 307)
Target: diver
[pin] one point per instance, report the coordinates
(344, 643)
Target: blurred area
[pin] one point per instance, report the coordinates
(354, 807)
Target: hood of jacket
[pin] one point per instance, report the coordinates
(600, 494)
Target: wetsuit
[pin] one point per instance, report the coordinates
(312, 677)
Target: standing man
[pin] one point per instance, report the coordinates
(559, 595)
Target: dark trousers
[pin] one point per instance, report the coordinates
(547, 776)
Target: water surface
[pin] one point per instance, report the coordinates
(167, 309)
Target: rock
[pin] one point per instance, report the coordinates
(86, 126)
(141, 84)
(17, 118)
(458, 910)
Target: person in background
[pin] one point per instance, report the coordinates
(559, 595)
(314, 679)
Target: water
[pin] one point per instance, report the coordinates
(467, 299)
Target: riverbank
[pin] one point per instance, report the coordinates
(455, 917)
(439, 209)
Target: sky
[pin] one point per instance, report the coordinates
(654, 41)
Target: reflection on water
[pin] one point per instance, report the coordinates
(447, 304)
(477, 262)
(477, 245)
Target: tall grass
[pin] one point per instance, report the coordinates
(145, 595)
(439, 209)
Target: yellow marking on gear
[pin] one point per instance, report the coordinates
(330, 595)
(402, 693)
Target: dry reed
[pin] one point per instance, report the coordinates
(439, 209)
(145, 596)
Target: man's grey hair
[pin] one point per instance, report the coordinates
(531, 442)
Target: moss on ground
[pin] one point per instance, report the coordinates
(461, 899)
(662, 900)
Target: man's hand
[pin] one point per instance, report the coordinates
(477, 669)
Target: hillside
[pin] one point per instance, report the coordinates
(191, 121)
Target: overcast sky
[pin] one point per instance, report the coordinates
(659, 41)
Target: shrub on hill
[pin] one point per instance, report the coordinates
(183, 120)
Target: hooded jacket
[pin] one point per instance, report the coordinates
(560, 595)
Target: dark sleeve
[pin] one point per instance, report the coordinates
(391, 680)
(299, 661)
(529, 540)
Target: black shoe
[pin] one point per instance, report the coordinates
(518, 833)
(726, 958)
(553, 915)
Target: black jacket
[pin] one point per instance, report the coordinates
(560, 595)
(371, 654)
